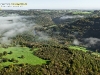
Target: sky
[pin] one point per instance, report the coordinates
(53, 4)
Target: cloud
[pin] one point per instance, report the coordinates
(76, 42)
(91, 41)
(70, 17)
(43, 36)
(12, 25)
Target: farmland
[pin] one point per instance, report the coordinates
(17, 52)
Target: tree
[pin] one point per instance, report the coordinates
(4, 59)
(22, 56)
(12, 60)
(15, 61)
(10, 52)
(4, 53)
(1, 54)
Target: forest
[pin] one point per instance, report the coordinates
(49, 42)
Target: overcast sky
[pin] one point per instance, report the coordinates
(55, 4)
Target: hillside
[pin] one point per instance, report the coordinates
(49, 42)
(63, 61)
(90, 27)
(85, 30)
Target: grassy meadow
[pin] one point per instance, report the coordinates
(83, 49)
(17, 52)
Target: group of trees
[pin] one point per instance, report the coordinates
(5, 53)
(60, 61)
(73, 62)
(2, 59)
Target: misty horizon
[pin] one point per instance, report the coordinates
(56, 4)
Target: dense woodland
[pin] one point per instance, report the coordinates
(61, 59)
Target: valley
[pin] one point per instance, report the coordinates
(49, 42)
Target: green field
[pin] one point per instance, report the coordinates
(81, 12)
(78, 48)
(16, 54)
(83, 49)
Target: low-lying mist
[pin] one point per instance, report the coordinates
(90, 43)
(14, 24)
(70, 17)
